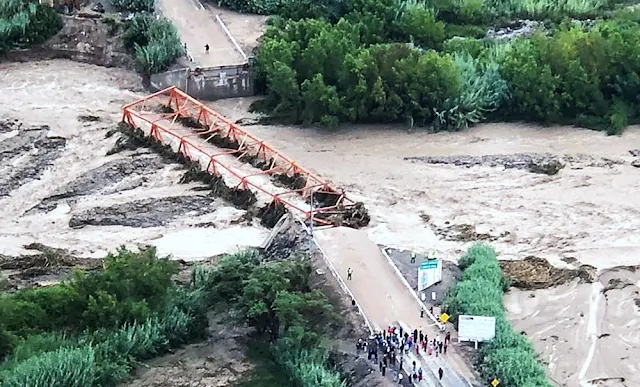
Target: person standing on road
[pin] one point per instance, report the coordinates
(440, 373)
(349, 273)
(413, 257)
(206, 49)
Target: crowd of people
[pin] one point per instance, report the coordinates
(388, 348)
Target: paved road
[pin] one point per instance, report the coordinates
(381, 293)
(197, 26)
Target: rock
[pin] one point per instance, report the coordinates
(547, 166)
(144, 213)
(88, 39)
(106, 178)
(35, 146)
(533, 162)
(537, 273)
(636, 163)
(520, 28)
(635, 152)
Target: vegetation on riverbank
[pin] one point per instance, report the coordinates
(432, 63)
(510, 357)
(92, 329)
(153, 41)
(24, 23)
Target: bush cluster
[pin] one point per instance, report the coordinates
(275, 299)
(134, 5)
(26, 22)
(91, 329)
(318, 72)
(396, 60)
(154, 41)
(510, 357)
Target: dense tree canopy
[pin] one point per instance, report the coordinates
(429, 63)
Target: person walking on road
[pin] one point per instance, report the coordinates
(206, 49)
(440, 373)
(349, 273)
(413, 257)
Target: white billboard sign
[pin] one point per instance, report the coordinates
(476, 328)
(429, 273)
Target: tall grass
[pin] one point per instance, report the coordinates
(483, 91)
(308, 367)
(64, 367)
(544, 9)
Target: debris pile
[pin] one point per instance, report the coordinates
(542, 163)
(537, 273)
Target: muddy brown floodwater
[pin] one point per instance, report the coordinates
(586, 215)
(58, 187)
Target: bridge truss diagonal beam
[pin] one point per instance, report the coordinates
(166, 113)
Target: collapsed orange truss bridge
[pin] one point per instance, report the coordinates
(174, 118)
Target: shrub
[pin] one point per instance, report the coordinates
(109, 346)
(483, 91)
(509, 357)
(155, 42)
(132, 287)
(134, 5)
(383, 82)
(274, 298)
(331, 70)
(25, 23)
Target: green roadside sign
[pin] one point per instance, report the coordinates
(429, 264)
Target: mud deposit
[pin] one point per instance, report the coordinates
(25, 153)
(218, 361)
(144, 213)
(58, 186)
(536, 273)
(107, 178)
(547, 164)
(41, 266)
(586, 334)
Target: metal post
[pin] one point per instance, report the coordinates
(311, 225)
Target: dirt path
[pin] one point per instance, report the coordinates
(380, 292)
(197, 27)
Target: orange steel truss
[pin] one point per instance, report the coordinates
(212, 123)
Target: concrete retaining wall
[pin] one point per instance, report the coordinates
(208, 84)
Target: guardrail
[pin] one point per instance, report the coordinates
(337, 276)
